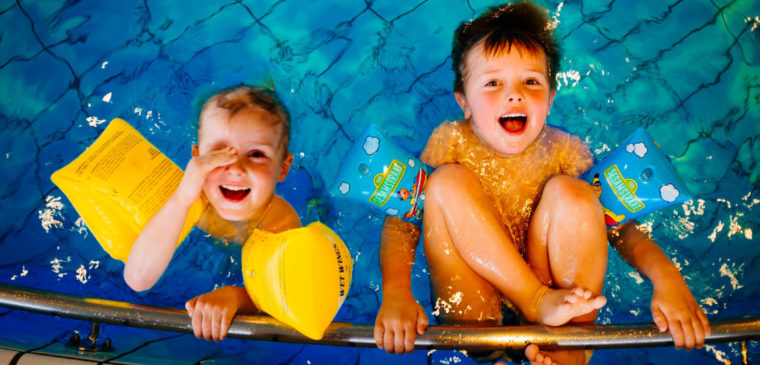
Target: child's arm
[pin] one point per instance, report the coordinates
(673, 306)
(154, 247)
(213, 312)
(400, 318)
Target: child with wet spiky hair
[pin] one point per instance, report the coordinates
(506, 217)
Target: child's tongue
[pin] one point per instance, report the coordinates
(234, 194)
(513, 124)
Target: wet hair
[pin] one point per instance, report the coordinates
(522, 23)
(246, 97)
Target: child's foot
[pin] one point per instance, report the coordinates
(559, 306)
(538, 357)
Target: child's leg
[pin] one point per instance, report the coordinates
(567, 238)
(567, 247)
(460, 294)
(472, 260)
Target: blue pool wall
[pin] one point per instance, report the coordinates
(686, 71)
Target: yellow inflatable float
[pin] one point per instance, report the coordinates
(300, 277)
(118, 183)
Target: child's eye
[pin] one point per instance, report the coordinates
(532, 82)
(256, 154)
(492, 83)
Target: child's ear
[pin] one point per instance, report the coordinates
(195, 150)
(552, 94)
(462, 101)
(285, 167)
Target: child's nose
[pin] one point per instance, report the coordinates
(514, 95)
(235, 167)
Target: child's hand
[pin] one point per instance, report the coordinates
(199, 167)
(398, 323)
(674, 308)
(212, 312)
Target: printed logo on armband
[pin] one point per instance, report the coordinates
(387, 182)
(624, 189)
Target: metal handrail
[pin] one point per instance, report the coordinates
(453, 337)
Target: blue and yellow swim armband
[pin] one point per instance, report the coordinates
(635, 180)
(379, 173)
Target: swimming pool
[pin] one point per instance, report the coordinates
(685, 70)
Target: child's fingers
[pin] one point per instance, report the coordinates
(225, 325)
(399, 338)
(659, 319)
(221, 157)
(689, 333)
(703, 319)
(409, 337)
(410, 334)
(190, 306)
(379, 334)
(388, 341)
(677, 333)
(216, 158)
(221, 324)
(206, 326)
(422, 321)
(198, 324)
(216, 326)
(698, 329)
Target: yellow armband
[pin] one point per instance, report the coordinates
(300, 277)
(119, 183)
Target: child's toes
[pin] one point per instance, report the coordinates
(531, 351)
(572, 298)
(582, 292)
(599, 302)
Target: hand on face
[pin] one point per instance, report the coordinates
(675, 309)
(244, 187)
(198, 169)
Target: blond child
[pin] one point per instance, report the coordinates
(242, 153)
(505, 215)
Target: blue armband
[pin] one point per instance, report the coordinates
(635, 179)
(381, 174)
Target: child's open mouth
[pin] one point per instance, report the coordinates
(513, 122)
(234, 193)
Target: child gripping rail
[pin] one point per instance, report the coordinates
(506, 217)
(140, 206)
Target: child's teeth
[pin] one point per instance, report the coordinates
(236, 188)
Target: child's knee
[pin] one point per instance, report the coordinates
(448, 179)
(573, 192)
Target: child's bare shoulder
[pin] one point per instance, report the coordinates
(281, 217)
(443, 142)
(557, 134)
(573, 154)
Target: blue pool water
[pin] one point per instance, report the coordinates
(687, 71)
